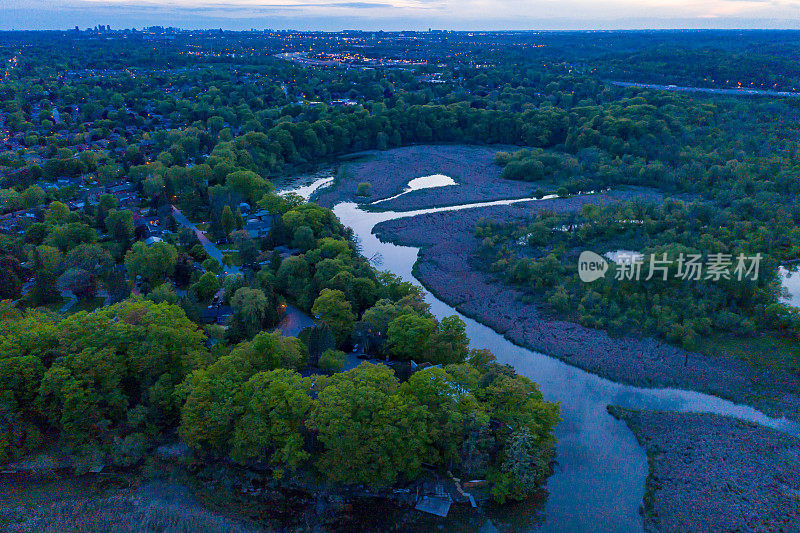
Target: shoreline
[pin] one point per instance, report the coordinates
(389, 171)
(445, 267)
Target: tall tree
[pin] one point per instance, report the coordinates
(372, 435)
(226, 220)
(333, 308)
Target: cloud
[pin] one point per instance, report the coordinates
(362, 5)
(403, 14)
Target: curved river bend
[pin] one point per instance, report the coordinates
(599, 481)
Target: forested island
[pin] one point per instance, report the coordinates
(187, 326)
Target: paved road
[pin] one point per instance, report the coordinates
(710, 90)
(208, 246)
(294, 321)
(73, 300)
(352, 361)
(25, 288)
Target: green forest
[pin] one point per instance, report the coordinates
(123, 161)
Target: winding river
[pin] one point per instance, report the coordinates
(599, 481)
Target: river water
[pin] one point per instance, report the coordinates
(425, 182)
(599, 481)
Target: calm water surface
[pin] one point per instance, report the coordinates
(599, 481)
(425, 182)
(790, 280)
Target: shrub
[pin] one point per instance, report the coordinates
(364, 189)
(212, 265)
(198, 253)
(332, 360)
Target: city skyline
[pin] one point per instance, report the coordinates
(401, 14)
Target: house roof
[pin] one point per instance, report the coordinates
(435, 505)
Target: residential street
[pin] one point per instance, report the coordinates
(208, 246)
(72, 301)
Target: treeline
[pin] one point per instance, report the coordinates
(110, 386)
(103, 382)
(364, 427)
(541, 256)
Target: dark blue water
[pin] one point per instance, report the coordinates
(599, 482)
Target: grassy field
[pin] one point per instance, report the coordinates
(765, 350)
(108, 504)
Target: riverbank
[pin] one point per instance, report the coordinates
(472, 167)
(714, 473)
(214, 500)
(445, 267)
(109, 503)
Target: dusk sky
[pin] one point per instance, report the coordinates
(401, 14)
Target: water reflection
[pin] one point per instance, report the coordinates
(599, 482)
(790, 281)
(425, 182)
(623, 256)
(305, 191)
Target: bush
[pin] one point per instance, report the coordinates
(364, 189)
(163, 293)
(206, 287)
(332, 360)
(198, 253)
(212, 265)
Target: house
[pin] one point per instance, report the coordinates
(128, 199)
(285, 251)
(147, 227)
(259, 223)
(150, 241)
(262, 214)
(257, 228)
(18, 219)
(436, 500)
(119, 188)
(216, 313)
(93, 194)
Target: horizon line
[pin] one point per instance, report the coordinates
(431, 30)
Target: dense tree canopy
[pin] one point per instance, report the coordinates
(97, 379)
